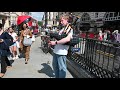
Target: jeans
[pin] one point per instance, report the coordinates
(59, 65)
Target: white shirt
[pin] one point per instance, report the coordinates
(105, 35)
(61, 49)
(46, 30)
(14, 35)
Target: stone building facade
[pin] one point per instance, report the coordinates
(9, 18)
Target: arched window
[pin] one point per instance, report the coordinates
(85, 17)
(85, 24)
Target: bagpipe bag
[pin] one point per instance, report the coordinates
(75, 40)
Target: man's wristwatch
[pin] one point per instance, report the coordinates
(56, 42)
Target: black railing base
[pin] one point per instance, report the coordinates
(77, 72)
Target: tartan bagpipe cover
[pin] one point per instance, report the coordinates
(75, 40)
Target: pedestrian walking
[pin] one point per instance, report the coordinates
(100, 35)
(60, 50)
(5, 41)
(13, 47)
(25, 33)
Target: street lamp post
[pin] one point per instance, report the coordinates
(45, 19)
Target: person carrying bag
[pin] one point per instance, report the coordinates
(25, 41)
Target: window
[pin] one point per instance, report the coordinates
(118, 13)
(115, 14)
(111, 15)
(83, 19)
(107, 15)
(53, 22)
(96, 15)
(49, 15)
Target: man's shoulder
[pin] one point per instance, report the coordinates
(5, 33)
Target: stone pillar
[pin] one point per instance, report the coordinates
(6, 25)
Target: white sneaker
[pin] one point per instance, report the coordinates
(14, 58)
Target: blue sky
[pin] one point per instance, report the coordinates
(37, 15)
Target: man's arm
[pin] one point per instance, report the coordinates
(64, 40)
(21, 36)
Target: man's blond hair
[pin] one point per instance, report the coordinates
(65, 16)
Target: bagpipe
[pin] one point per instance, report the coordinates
(75, 40)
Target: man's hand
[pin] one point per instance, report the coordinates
(14, 40)
(1, 40)
(52, 43)
(24, 35)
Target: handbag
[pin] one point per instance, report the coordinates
(33, 38)
(27, 41)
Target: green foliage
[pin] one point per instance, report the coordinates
(40, 23)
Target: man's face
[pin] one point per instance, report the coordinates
(11, 30)
(64, 21)
(24, 25)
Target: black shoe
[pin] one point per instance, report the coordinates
(26, 62)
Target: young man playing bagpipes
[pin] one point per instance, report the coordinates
(61, 48)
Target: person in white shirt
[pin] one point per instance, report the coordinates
(13, 47)
(61, 50)
(46, 31)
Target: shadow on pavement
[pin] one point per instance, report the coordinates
(47, 70)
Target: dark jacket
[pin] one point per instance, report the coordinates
(4, 46)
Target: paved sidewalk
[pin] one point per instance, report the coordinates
(37, 67)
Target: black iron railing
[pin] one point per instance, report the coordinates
(100, 58)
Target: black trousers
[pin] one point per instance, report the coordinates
(4, 63)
